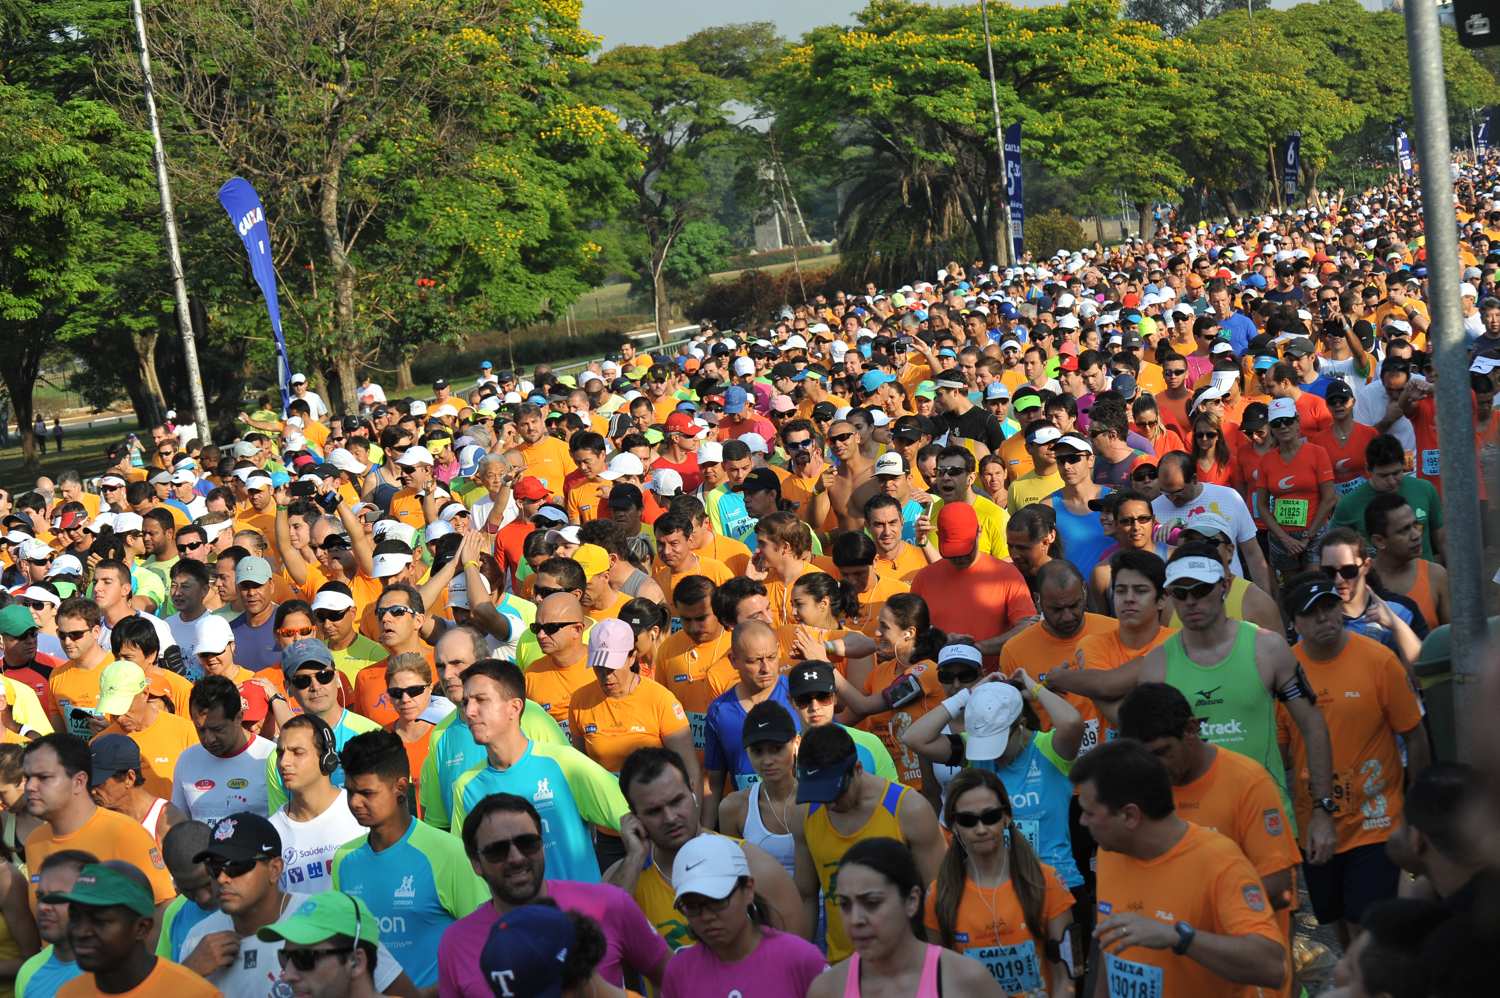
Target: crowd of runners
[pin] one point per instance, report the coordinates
(1042, 630)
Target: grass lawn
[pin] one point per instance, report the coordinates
(83, 449)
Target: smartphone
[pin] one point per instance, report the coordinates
(907, 689)
(329, 500)
(302, 490)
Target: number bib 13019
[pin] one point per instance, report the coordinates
(1128, 979)
(1015, 967)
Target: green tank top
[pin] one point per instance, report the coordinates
(1236, 710)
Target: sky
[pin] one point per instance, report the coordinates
(662, 22)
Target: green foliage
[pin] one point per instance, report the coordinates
(1051, 231)
(700, 249)
(1175, 17)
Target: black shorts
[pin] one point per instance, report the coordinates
(1350, 882)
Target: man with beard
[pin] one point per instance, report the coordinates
(503, 840)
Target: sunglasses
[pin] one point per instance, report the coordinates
(839, 438)
(292, 633)
(306, 959)
(333, 544)
(950, 472)
(73, 635)
(396, 610)
(1283, 422)
(989, 816)
(32, 604)
(542, 592)
(1144, 475)
(808, 699)
(799, 444)
(1196, 592)
(1349, 572)
(405, 692)
(1134, 521)
(693, 906)
(191, 545)
(951, 676)
(554, 627)
(303, 680)
(498, 851)
(1073, 458)
(1175, 372)
(329, 616)
(217, 866)
(1207, 434)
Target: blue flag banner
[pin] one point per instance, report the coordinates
(1403, 151)
(1291, 164)
(249, 217)
(1013, 190)
(1482, 133)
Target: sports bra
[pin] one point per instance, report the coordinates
(930, 986)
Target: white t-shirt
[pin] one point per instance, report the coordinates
(256, 971)
(315, 404)
(1220, 499)
(1369, 408)
(307, 847)
(207, 788)
(164, 635)
(480, 513)
(185, 634)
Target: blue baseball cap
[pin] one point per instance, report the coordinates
(526, 950)
(1009, 311)
(871, 380)
(305, 653)
(734, 400)
(485, 365)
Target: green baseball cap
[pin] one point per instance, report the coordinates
(926, 390)
(322, 916)
(16, 620)
(1027, 401)
(102, 886)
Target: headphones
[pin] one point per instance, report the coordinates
(328, 754)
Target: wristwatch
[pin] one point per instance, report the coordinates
(1325, 804)
(1185, 936)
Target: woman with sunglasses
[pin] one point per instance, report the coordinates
(1296, 490)
(737, 951)
(408, 683)
(879, 894)
(993, 899)
(1210, 450)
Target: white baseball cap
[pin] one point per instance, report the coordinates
(1194, 568)
(623, 463)
(1283, 408)
(890, 463)
(415, 455)
(341, 459)
(213, 635)
(991, 712)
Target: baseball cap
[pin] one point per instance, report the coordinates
(761, 480)
(681, 422)
(112, 754)
(871, 380)
(1304, 597)
(128, 522)
(1298, 346)
(1194, 568)
(41, 594)
(710, 452)
(530, 488)
(414, 455)
(1338, 390)
(102, 886)
(1255, 416)
(458, 590)
(1026, 402)
(16, 620)
(341, 459)
(242, 835)
(1207, 523)
(253, 570)
(665, 482)
(1282, 408)
(710, 865)
(254, 706)
(783, 403)
(610, 643)
(308, 652)
(825, 783)
(734, 399)
(119, 684)
(526, 948)
(912, 428)
(35, 550)
(623, 463)
(768, 721)
(1126, 386)
(391, 558)
(992, 710)
(890, 463)
(593, 559)
(1043, 433)
(323, 916)
(996, 390)
(1074, 441)
(958, 529)
(810, 677)
(626, 496)
(214, 634)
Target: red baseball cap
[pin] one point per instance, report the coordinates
(681, 422)
(957, 529)
(530, 488)
(1067, 362)
(253, 702)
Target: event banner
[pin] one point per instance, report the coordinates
(249, 217)
(1291, 164)
(1013, 189)
(1403, 150)
(1482, 131)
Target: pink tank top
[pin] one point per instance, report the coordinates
(930, 985)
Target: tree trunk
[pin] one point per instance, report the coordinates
(145, 362)
(1099, 228)
(348, 382)
(1143, 220)
(403, 373)
(343, 270)
(19, 373)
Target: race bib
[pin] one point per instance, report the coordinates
(1344, 488)
(1090, 736)
(698, 724)
(1015, 967)
(78, 721)
(1291, 512)
(1128, 979)
(1431, 463)
(1031, 828)
(744, 781)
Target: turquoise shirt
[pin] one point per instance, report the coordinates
(452, 751)
(569, 790)
(43, 974)
(874, 757)
(1040, 792)
(350, 724)
(180, 917)
(416, 888)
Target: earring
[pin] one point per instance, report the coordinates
(1006, 837)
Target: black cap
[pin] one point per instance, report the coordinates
(824, 411)
(1300, 346)
(440, 383)
(112, 754)
(912, 427)
(784, 369)
(762, 480)
(810, 677)
(1255, 416)
(626, 496)
(768, 721)
(242, 835)
(1337, 389)
(1305, 596)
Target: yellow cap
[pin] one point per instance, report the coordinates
(593, 559)
(119, 684)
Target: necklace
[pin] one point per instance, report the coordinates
(987, 898)
(780, 812)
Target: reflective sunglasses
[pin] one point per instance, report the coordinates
(554, 627)
(292, 633)
(395, 610)
(303, 680)
(406, 692)
(1194, 592)
(329, 616)
(498, 851)
(799, 444)
(989, 816)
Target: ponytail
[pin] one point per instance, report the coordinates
(843, 601)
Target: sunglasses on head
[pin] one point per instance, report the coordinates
(498, 851)
(405, 692)
(552, 628)
(960, 675)
(989, 816)
(303, 680)
(292, 633)
(1193, 592)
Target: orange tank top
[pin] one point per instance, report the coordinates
(1421, 592)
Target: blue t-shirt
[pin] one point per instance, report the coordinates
(452, 752)
(569, 790)
(255, 647)
(44, 974)
(1040, 794)
(181, 917)
(1083, 538)
(738, 524)
(723, 726)
(416, 888)
(1240, 330)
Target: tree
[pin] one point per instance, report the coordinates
(1176, 17)
(66, 171)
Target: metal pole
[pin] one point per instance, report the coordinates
(1465, 545)
(169, 222)
(1004, 209)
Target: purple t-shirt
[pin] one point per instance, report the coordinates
(782, 966)
(630, 939)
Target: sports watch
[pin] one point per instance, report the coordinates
(1185, 936)
(1325, 804)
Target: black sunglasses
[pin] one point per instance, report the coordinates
(1283, 422)
(406, 692)
(808, 699)
(554, 627)
(799, 444)
(1144, 475)
(218, 866)
(498, 851)
(329, 616)
(306, 959)
(839, 438)
(951, 676)
(989, 816)
(1072, 458)
(303, 680)
(1196, 592)
(1350, 572)
(542, 592)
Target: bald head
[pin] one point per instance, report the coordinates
(755, 654)
(559, 607)
(750, 631)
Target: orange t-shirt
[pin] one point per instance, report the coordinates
(166, 978)
(370, 697)
(1203, 880)
(406, 506)
(587, 500)
(1237, 798)
(715, 571)
(362, 588)
(1105, 650)
(1038, 650)
(992, 917)
(872, 602)
(888, 725)
(984, 600)
(72, 686)
(613, 727)
(908, 562)
(548, 459)
(734, 555)
(1293, 485)
(1348, 458)
(779, 595)
(107, 835)
(553, 685)
(1313, 412)
(691, 672)
(160, 743)
(1366, 699)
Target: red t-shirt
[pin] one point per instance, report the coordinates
(1313, 412)
(1293, 484)
(691, 476)
(1349, 458)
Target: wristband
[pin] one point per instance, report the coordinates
(471, 563)
(957, 702)
(828, 647)
(1033, 689)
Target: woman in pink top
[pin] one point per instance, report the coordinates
(736, 954)
(879, 894)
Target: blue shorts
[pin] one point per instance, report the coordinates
(1350, 882)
